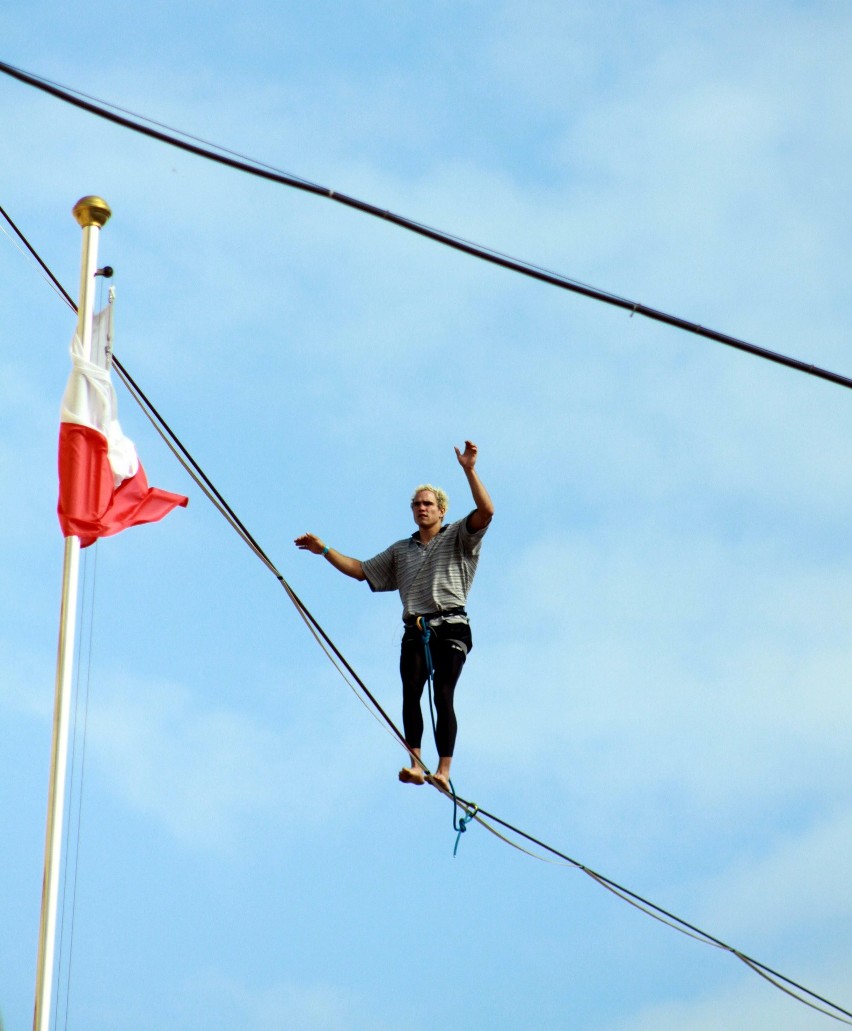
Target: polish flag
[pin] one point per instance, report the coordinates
(102, 486)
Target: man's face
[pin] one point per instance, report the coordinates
(425, 509)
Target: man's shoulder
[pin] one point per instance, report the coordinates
(459, 535)
(465, 528)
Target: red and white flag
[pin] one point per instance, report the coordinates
(102, 486)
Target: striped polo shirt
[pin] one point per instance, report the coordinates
(429, 577)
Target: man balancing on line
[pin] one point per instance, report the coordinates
(433, 570)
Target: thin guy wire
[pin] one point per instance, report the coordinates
(16, 244)
(170, 128)
(45, 270)
(439, 236)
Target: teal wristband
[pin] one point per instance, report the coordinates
(324, 551)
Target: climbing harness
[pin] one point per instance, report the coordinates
(459, 822)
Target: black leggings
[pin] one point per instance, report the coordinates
(449, 644)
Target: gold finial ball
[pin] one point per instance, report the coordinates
(91, 211)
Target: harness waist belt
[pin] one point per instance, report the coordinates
(412, 620)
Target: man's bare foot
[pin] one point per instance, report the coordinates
(412, 775)
(440, 781)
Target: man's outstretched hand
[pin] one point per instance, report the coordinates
(467, 459)
(481, 515)
(309, 542)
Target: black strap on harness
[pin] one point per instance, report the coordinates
(418, 621)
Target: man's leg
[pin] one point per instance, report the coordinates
(412, 670)
(449, 657)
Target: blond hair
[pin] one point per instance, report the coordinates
(440, 495)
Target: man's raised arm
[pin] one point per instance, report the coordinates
(343, 563)
(482, 515)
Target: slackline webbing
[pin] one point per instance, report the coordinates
(473, 811)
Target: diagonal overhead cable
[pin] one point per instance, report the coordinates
(222, 156)
(474, 812)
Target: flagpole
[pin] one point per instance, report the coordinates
(91, 213)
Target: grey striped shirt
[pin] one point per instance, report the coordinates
(429, 577)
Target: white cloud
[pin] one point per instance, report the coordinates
(282, 1005)
(208, 773)
(750, 1005)
(661, 647)
(641, 674)
(793, 883)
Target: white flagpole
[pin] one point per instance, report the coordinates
(91, 214)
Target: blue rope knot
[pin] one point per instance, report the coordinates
(461, 827)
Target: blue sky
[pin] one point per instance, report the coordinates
(660, 680)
